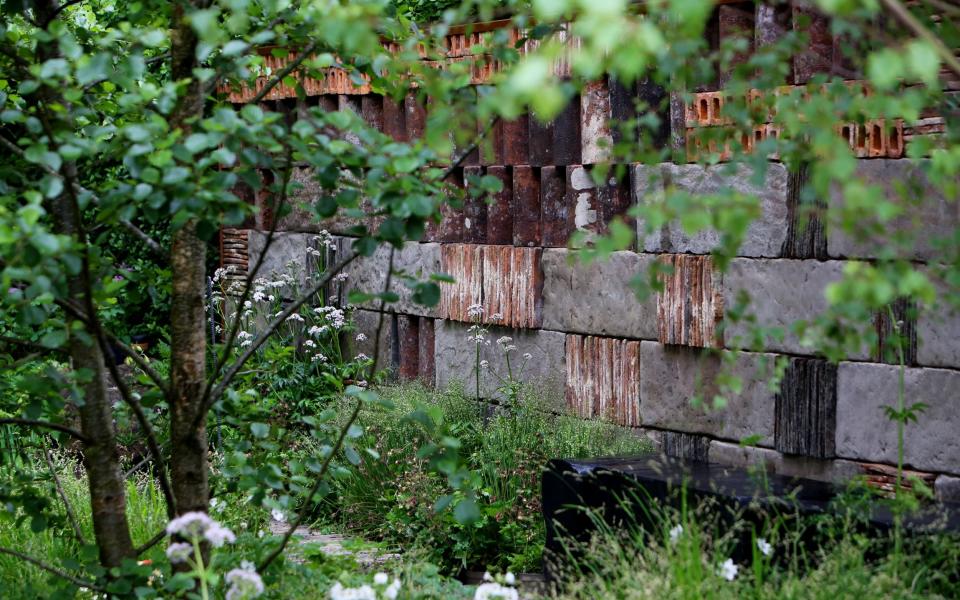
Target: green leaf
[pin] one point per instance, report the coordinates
(54, 338)
(466, 512)
(259, 430)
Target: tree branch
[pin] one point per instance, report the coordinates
(45, 425)
(71, 516)
(156, 539)
(289, 68)
(53, 570)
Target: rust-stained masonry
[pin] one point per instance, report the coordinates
(638, 362)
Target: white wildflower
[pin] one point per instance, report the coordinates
(361, 337)
(244, 584)
(392, 590)
(247, 304)
(259, 296)
(503, 341)
(728, 570)
(381, 579)
(278, 515)
(317, 330)
(510, 348)
(246, 343)
(764, 546)
(361, 357)
(341, 277)
(364, 592)
(309, 343)
(179, 552)
(527, 356)
(487, 576)
(509, 578)
(271, 298)
(218, 535)
(491, 591)
(484, 364)
(362, 383)
(191, 524)
(496, 317)
(216, 505)
(474, 310)
(675, 533)
(295, 317)
(318, 357)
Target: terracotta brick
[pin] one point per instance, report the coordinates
(499, 210)
(474, 210)
(861, 143)
(817, 57)
(603, 378)
(408, 330)
(426, 362)
(556, 216)
(893, 140)
(416, 117)
(690, 307)
(884, 478)
(394, 119)
(526, 206)
(876, 140)
(516, 141)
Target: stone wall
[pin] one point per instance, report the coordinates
(656, 363)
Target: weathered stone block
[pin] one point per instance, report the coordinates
(671, 377)
(864, 432)
(735, 455)
(597, 299)
(366, 323)
(928, 216)
(818, 56)
(287, 251)
(806, 406)
(368, 274)
(765, 235)
(456, 359)
(938, 332)
(603, 378)
(781, 293)
(690, 306)
(595, 115)
(305, 193)
(947, 488)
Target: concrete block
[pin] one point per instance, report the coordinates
(305, 193)
(287, 251)
(938, 333)
(865, 433)
(765, 236)
(597, 299)
(947, 488)
(368, 274)
(781, 293)
(735, 455)
(366, 323)
(671, 377)
(928, 216)
(426, 363)
(456, 359)
(736, 21)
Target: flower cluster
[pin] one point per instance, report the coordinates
(491, 589)
(245, 583)
(379, 589)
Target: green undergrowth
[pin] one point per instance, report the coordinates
(393, 498)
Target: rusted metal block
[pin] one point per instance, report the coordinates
(567, 135)
(889, 345)
(526, 206)
(474, 210)
(416, 117)
(490, 149)
(603, 378)
(817, 57)
(655, 98)
(500, 211)
(595, 114)
(408, 335)
(688, 446)
(451, 228)
(690, 307)
(540, 141)
(515, 141)
(623, 108)
(884, 478)
(806, 409)
(371, 109)
(463, 262)
(512, 286)
(394, 119)
(736, 22)
(426, 363)
(615, 200)
(556, 216)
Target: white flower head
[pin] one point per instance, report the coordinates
(309, 343)
(244, 584)
(484, 364)
(487, 576)
(728, 570)
(361, 357)
(217, 505)
(474, 310)
(295, 317)
(764, 546)
(496, 317)
(278, 515)
(179, 552)
(504, 340)
(341, 277)
(495, 591)
(509, 578)
(381, 579)
(675, 533)
(218, 535)
(364, 592)
(191, 524)
(318, 357)
(392, 590)
(361, 337)
(527, 356)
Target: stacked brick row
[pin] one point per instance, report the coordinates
(655, 364)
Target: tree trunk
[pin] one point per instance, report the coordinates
(100, 455)
(188, 457)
